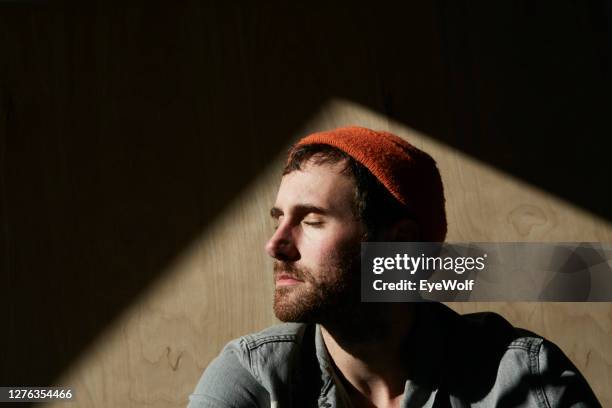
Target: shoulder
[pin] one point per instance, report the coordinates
(268, 349)
(241, 375)
(290, 333)
(554, 379)
(515, 365)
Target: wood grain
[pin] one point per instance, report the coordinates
(141, 146)
(220, 287)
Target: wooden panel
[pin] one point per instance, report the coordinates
(221, 287)
(139, 156)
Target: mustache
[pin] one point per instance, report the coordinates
(291, 269)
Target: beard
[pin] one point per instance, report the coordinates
(336, 293)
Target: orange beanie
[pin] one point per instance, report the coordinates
(409, 174)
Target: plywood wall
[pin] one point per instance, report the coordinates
(141, 146)
(221, 286)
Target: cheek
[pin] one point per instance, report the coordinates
(317, 253)
(329, 248)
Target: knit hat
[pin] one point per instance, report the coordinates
(408, 173)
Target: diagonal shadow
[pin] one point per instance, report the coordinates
(126, 131)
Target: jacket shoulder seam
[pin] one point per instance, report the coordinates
(525, 343)
(532, 345)
(534, 358)
(253, 343)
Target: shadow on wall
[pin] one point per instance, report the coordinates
(126, 131)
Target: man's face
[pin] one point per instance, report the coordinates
(316, 244)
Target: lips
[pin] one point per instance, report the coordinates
(285, 279)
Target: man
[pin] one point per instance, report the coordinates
(339, 188)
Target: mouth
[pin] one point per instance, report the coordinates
(285, 279)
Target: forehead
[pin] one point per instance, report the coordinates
(321, 185)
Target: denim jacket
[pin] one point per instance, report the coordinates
(476, 360)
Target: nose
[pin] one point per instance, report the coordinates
(281, 244)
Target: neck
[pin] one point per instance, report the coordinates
(366, 347)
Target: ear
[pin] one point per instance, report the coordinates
(405, 230)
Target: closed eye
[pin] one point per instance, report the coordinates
(313, 223)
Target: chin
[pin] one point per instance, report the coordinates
(294, 306)
(291, 315)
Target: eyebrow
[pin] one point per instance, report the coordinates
(276, 212)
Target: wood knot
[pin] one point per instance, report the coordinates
(525, 217)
